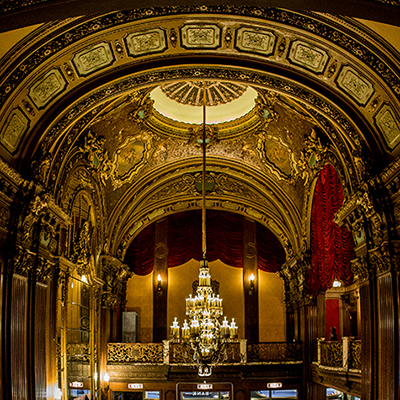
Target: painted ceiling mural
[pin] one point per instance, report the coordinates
(299, 90)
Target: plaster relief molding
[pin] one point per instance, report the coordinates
(255, 40)
(355, 85)
(200, 73)
(388, 124)
(348, 207)
(277, 156)
(10, 173)
(115, 275)
(93, 58)
(360, 268)
(23, 261)
(44, 270)
(308, 56)
(293, 273)
(47, 87)
(146, 42)
(396, 255)
(13, 130)
(391, 171)
(380, 258)
(200, 36)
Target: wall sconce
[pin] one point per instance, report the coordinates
(159, 288)
(336, 283)
(106, 379)
(251, 280)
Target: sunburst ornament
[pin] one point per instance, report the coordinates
(192, 93)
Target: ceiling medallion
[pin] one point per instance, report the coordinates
(191, 93)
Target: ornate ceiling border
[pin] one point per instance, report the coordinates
(311, 23)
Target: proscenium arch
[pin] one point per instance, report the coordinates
(269, 206)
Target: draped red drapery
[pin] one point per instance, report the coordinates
(332, 247)
(143, 251)
(224, 233)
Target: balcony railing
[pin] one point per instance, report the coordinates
(344, 355)
(175, 353)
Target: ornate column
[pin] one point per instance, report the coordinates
(115, 276)
(366, 215)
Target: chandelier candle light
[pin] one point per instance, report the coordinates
(204, 332)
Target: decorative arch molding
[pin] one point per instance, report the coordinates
(236, 189)
(78, 181)
(344, 53)
(347, 136)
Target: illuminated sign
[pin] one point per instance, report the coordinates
(274, 385)
(135, 385)
(204, 386)
(76, 384)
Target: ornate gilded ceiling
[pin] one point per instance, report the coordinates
(77, 112)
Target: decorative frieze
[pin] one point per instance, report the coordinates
(14, 129)
(44, 270)
(308, 56)
(93, 58)
(151, 41)
(355, 85)
(360, 268)
(255, 40)
(22, 262)
(380, 258)
(200, 36)
(115, 275)
(47, 88)
(388, 124)
(294, 275)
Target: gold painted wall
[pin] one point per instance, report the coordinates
(272, 311)
(230, 289)
(180, 279)
(140, 299)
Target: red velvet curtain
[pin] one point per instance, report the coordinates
(270, 253)
(224, 234)
(332, 247)
(224, 242)
(140, 254)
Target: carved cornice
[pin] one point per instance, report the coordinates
(10, 173)
(380, 258)
(294, 275)
(115, 276)
(391, 171)
(360, 268)
(23, 262)
(44, 270)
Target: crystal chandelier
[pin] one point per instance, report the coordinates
(204, 333)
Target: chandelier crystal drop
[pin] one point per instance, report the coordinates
(204, 333)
